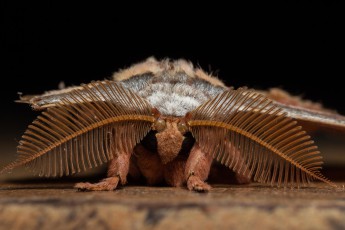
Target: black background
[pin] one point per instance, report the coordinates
(295, 45)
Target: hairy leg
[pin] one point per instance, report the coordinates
(197, 169)
(149, 165)
(134, 171)
(174, 172)
(117, 172)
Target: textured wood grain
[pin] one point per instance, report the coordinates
(47, 206)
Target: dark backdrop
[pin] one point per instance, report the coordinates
(295, 45)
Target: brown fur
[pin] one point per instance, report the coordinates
(151, 65)
(174, 172)
(118, 169)
(149, 165)
(119, 166)
(197, 169)
(107, 184)
(117, 172)
(134, 170)
(209, 78)
(169, 142)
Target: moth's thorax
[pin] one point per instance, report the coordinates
(169, 137)
(174, 88)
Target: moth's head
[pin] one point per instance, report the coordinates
(170, 131)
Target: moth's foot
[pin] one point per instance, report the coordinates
(107, 184)
(196, 184)
(242, 179)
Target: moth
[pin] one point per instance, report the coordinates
(167, 121)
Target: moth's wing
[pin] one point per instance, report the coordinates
(47, 99)
(274, 149)
(311, 114)
(88, 127)
(315, 119)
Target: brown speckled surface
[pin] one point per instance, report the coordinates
(57, 205)
(28, 202)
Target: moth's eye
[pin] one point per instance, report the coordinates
(182, 127)
(160, 125)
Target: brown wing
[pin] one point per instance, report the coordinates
(85, 129)
(274, 148)
(48, 99)
(316, 119)
(311, 114)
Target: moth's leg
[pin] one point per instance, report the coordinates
(149, 165)
(117, 172)
(134, 170)
(197, 169)
(174, 172)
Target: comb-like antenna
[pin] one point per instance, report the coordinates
(87, 128)
(274, 149)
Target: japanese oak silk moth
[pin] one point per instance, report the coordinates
(169, 122)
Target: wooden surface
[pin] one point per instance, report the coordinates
(59, 206)
(28, 202)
